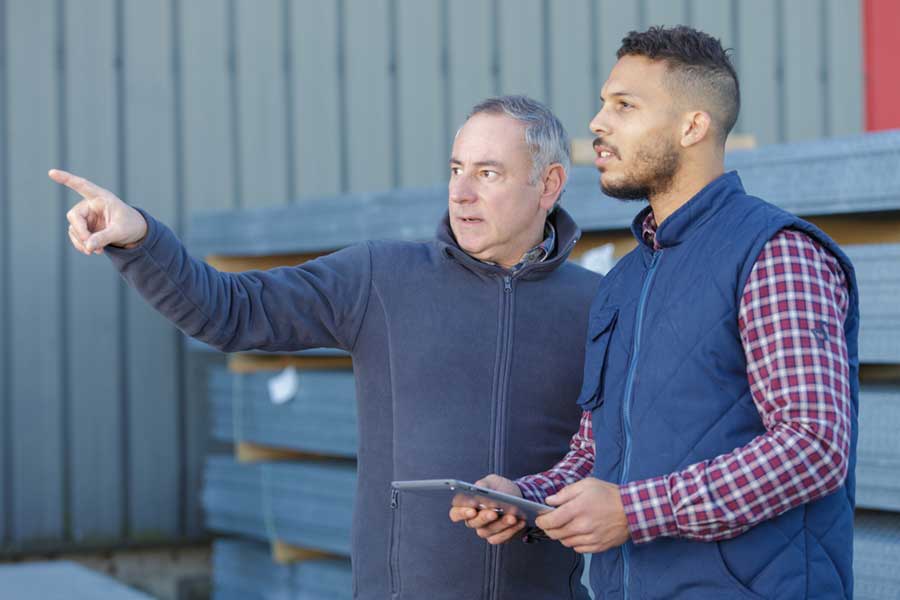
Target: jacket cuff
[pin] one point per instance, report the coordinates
(648, 509)
(146, 244)
(530, 490)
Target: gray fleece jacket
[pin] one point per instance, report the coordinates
(461, 368)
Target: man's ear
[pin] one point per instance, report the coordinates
(695, 128)
(553, 182)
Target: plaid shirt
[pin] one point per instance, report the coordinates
(791, 323)
(540, 252)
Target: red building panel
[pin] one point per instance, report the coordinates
(881, 21)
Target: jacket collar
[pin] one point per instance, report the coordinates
(696, 211)
(567, 234)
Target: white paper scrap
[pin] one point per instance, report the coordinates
(283, 387)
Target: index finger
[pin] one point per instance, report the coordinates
(81, 185)
(458, 514)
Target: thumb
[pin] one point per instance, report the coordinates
(488, 481)
(568, 493)
(100, 239)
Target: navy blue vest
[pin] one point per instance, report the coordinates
(665, 377)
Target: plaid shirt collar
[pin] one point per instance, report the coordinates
(539, 253)
(648, 231)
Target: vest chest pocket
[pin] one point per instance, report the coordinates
(600, 329)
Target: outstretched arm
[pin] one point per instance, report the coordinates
(319, 303)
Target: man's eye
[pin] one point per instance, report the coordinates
(625, 105)
(455, 170)
(486, 174)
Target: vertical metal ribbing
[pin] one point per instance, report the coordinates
(122, 176)
(234, 104)
(343, 148)
(6, 469)
(180, 226)
(780, 83)
(287, 65)
(495, 46)
(736, 57)
(65, 395)
(394, 87)
(596, 83)
(547, 39)
(446, 75)
(824, 71)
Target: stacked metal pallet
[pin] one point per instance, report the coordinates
(242, 410)
(849, 187)
(287, 490)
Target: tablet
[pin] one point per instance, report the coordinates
(463, 493)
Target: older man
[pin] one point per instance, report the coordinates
(461, 346)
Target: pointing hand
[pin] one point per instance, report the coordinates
(100, 219)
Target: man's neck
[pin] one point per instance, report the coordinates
(515, 257)
(683, 188)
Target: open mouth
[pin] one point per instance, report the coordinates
(605, 156)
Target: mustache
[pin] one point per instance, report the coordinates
(598, 141)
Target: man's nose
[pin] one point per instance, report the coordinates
(599, 124)
(461, 190)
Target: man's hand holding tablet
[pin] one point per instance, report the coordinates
(492, 526)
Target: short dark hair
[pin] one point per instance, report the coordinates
(697, 64)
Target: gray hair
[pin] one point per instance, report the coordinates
(545, 135)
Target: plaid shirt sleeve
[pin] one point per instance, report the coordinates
(574, 466)
(791, 326)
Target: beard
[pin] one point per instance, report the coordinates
(655, 167)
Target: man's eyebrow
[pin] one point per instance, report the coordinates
(619, 95)
(483, 163)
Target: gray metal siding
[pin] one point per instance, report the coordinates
(152, 368)
(571, 64)
(6, 428)
(209, 135)
(262, 102)
(93, 312)
(370, 135)
(421, 106)
(185, 106)
(318, 123)
(38, 394)
(472, 56)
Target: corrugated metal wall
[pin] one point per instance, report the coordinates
(186, 105)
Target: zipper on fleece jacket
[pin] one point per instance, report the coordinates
(393, 558)
(629, 390)
(499, 425)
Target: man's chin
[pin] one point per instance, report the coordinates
(625, 193)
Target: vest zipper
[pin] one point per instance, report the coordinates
(629, 390)
(393, 557)
(500, 420)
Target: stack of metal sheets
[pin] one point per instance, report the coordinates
(304, 504)
(878, 452)
(319, 417)
(876, 556)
